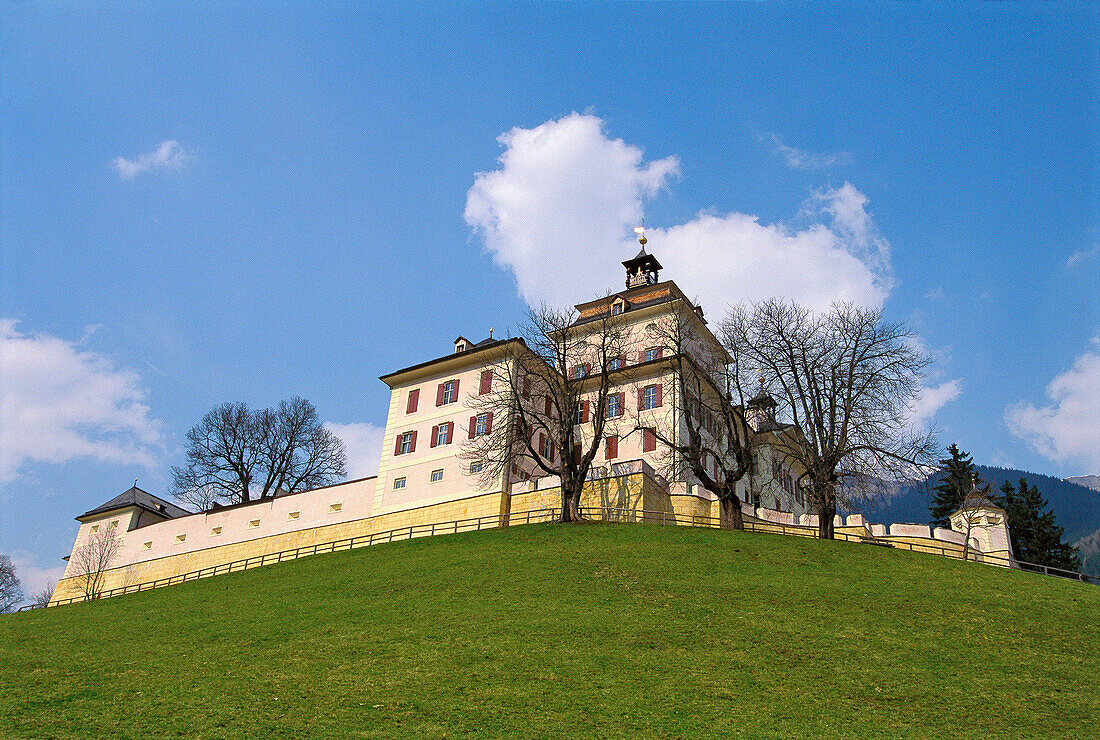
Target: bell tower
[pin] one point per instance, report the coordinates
(644, 268)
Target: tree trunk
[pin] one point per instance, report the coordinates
(729, 510)
(570, 506)
(825, 513)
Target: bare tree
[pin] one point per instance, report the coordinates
(11, 591)
(847, 380)
(41, 597)
(972, 504)
(298, 453)
(280, 450)
(707, 434)
(549, 397)
(92, 559)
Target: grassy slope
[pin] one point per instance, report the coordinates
(544, 631)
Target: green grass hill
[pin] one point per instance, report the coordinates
(549, 631)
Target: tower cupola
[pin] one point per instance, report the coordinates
(643, 269)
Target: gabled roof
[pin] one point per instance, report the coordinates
(461, 357)
(141, 499)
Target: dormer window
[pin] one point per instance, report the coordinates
(618, 307)
(461, 345)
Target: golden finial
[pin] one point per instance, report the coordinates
(641, 231)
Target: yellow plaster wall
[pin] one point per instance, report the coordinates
(176, 565)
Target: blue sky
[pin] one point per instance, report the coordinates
(202, 203)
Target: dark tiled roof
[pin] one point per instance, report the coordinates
(143, 500)
(484, 344)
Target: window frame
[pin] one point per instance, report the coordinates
(432, 477)
(402, 480)
(449, 394)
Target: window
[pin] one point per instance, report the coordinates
(486, 382)
(333, 508)
(546, 447)
(446, 393)
(611, 448)
(649, 397)
(615, 405)
(113, 524)
(215, 531)
(398, 483)
(414, 401)
(254, 523)
(146, 545)
(579, 372)
(293, 515)
(480, 425)
(616, 308)
(406, 443)
(615, 363)
(476, 467)
(649, 441)
(653, 353)
(443, 434)
(580, 413)
(181, 537)
(437, 475)
(94, 529)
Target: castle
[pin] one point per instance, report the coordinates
(439, 408)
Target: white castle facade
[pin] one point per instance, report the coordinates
(437, 409)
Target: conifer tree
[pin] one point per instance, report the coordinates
(957, 479)
(1036, 537)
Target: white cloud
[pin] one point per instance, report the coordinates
(1067, 430)
(32, 577)
(168, 155)
(1081, 255)
(59, 402)
(931, 399)
(363, 442)
(800, 159)
(560, 209)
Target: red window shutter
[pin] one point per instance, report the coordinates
(456, 389)
(641, 398)
(612, 450)
(412, 444)
(435, 435)
(414, 399)
(587, 369)
(660, 395)
(660, 352)
(473, 426)
(489, 423)
(397, 447)
(439, 395)
(576, 453)
(450, 431)
(547, 405)
(584, 412)
(649, 441)
(641, 356)
(542, 443)
(526, 387)
(486, 382)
